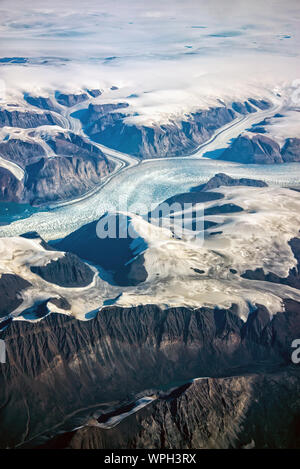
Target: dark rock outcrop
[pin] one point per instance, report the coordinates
(61, 178)
(21, 152)
(201, 194)
(10, 288)
(41, 102)
(61, 303)
(35, 235)
(251, 411)
(291, 150)
(11, 189)
(256, 129)
(67, 271)
(104, 124)
(71, 99)
(258, 149)
(27, 119)
(222, 179)
(186, 198)
(223, 209)
(261, 149)
(60, 365)
(260, 103)
(70, 144)
(94, 93)
(78, 167)
(243, 108)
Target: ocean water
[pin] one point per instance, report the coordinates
(11, 211)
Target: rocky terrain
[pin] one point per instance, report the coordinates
(74, 168)
(150, 226)
(41, 102)
(260, 149)
(244, 412)
(68, 271)
(222, 179)
(21, 152)
(110, 125)
(69, 100)
(291, 150)
(26, 119)
(92, 339)
(11, 189)
(107, 124)
(10, 288)
(64, 371)
(63, 178)
(60, 365)
(60, 164)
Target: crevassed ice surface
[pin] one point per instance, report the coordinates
(148, 183)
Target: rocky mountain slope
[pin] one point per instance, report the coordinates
(68, 271)
(10, 288)
(111, 124)
(11, 189)
(26, 119)
(60, 365)
(71, 168)
(261, 149)
(247, 411)
(107, 124)
(62, 372)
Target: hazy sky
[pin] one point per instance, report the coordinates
(179, 51)
(164, 28)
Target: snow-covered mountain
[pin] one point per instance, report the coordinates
(173, 128)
